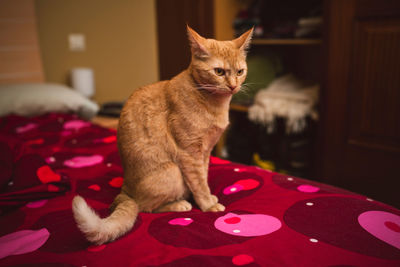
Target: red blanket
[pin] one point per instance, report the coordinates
(270, 219)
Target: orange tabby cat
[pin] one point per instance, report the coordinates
(165, 136)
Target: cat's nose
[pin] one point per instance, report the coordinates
(232, 87)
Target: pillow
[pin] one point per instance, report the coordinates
(39, 98)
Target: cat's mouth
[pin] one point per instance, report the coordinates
(220, 90)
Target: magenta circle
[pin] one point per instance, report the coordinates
(307, 188)
(381, 224)
(232, 189)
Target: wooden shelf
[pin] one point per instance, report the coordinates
(286, 41)
(239, 107)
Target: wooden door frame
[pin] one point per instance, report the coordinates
(172, 17)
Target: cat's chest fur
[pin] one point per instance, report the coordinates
(195, 121)
(201, 130)
(213, 135)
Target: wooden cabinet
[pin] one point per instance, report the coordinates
(358, 64)
(173, 45)
(359, 137)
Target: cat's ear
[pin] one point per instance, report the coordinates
(197, 44)
(243, 41)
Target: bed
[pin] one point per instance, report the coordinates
(271, 219)
(50, 151)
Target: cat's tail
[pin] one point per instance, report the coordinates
(98, 230)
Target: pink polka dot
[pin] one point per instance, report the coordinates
(95, 248)
(83, 161)
(232, 189)
(242, 259)
(36, 204)
(392, 226)
(181, 221)
(22, 242)
(75, 125)
(26, 128)
(232, 220)
(248, 184)
(50, 160)
(307, 188)
(116, 182)
(94, 187)
(248, 225)
(383, 225)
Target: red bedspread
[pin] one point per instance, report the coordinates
(270, 219)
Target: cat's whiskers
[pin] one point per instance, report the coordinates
(212, 88)
(244, 89)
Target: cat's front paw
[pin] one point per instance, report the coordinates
(210, 203)
(214, 198)
(217, 207)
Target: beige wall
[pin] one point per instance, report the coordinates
(121, 44)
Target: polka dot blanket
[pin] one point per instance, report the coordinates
(271, 219)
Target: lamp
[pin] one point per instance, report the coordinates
(82, 80)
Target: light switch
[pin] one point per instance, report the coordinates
(77, 42)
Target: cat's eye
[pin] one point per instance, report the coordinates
(240, 72)
(219, 71)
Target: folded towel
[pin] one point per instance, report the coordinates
(286, 97)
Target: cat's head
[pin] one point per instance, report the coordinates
(219, 67)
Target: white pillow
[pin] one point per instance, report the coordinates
(39, 98)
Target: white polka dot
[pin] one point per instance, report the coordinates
(309, 204)
(52, 159)
(370, 199)
(109, 164)
(313, 240)
(236, 231)
(10, 183)
(188, 219)
(236, 169)
(290, 179)
(233, 189)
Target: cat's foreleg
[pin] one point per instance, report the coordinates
(195, 176)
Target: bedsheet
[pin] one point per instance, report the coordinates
(271, 219)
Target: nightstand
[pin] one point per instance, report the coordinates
(107, 122)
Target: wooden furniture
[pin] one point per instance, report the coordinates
(107, 122)
(173, 46)
(357, 63)
(219, 147)
(359, 137)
